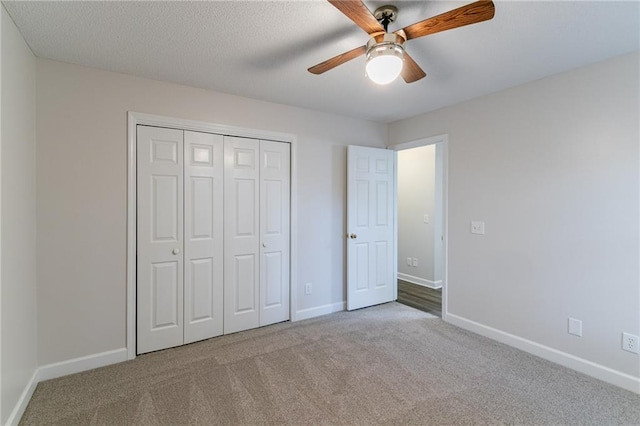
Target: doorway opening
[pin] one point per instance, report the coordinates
(421, 221)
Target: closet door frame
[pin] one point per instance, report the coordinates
(136, 118)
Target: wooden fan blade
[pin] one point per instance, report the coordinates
(473, 13)
(411, 71)
(337, 60)
(358, 13)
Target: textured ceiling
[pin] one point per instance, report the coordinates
(262, 49)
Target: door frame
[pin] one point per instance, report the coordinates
(137, 118)
(444, 139)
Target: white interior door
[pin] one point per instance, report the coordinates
(370, 226)
(203, 236)
(160, 238)
(274, 231)
(241, 234)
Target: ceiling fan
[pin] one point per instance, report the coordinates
(385, 52)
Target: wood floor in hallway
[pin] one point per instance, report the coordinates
(419, 297)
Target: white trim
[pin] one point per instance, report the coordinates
(2, 10)
(23, 401)
(444, 140)
(201, 126)
(131, 235)
(420, 281)
(395, 224)
(76, 365)
(293, 242)
(432, 140)
(136, 118)
(573, 362)
(59, 369)
(321, 310)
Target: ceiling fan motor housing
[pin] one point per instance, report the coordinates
(383, 43)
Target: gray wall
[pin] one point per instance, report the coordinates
(18, 216)
(552, 168)
(417, 197)
(81, 181)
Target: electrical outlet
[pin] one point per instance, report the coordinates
(415, 262)
(408, 261)
(308, 288)
(425, 219)
(575, 327)
(477, 228)
(630, 343)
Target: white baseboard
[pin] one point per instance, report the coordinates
(320, 310)
(420, 281)
(76, 365)
(23, 401)
(59, 369)
(573, 362)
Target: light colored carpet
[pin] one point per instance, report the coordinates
(389, 365)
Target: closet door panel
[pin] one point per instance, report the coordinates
(203, 246)
(160, 238)
(272, 264)
(241, 254)
(274, 231)
(244, 283)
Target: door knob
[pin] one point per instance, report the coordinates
(175, 251)
(264, 245)
(353, 236)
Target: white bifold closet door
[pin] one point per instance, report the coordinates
(256, 253)
(180, 237)
(203, 236)
(212, 235)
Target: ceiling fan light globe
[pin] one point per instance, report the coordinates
(384, 63)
